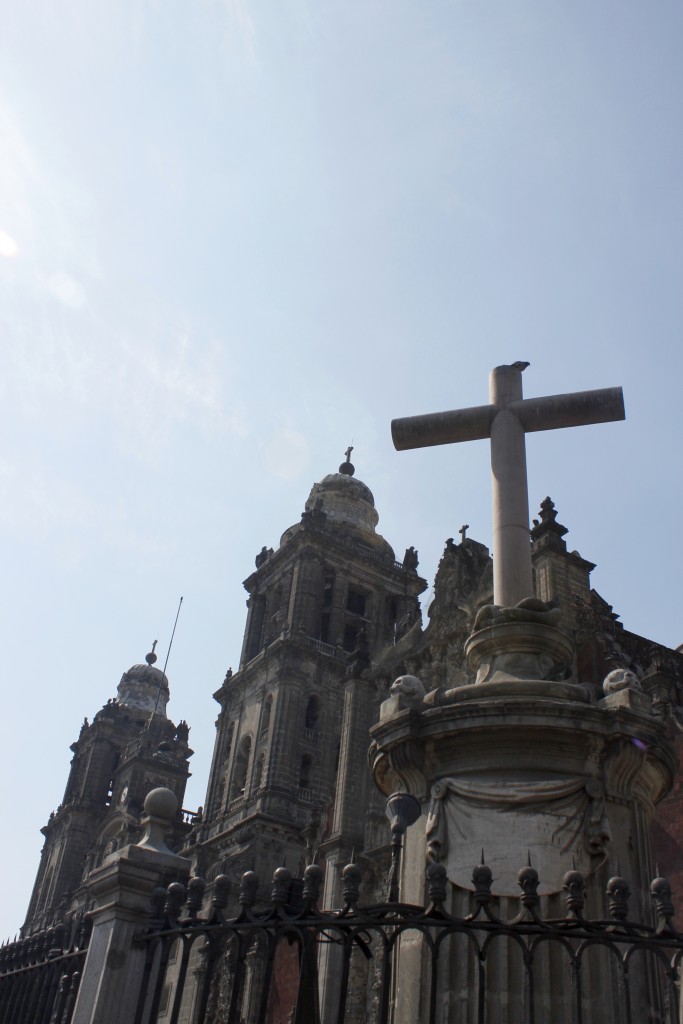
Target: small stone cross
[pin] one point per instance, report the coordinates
(463, 532)
(506, 421)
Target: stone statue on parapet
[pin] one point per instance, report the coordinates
(263, 556)
(182, 731)
(410, 561)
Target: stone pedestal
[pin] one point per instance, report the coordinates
(527, 764)
(330, 964)
(121, 889)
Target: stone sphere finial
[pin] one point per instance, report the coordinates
(151, 657)
(160, 809)
(161, 803)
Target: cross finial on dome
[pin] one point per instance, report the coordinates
(151, 657)
(347, 468)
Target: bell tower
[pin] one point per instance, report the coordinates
(330, 597)
(129, 748)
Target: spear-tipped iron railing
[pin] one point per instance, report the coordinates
(239, 964)
(41, 973)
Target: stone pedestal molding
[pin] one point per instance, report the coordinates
(121, 889)
(526, 766)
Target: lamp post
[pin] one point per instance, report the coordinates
(402, 810)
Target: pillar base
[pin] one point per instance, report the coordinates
(520, 643)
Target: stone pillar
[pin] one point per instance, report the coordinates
(336, 633)
(307, 601)
(510, 502)
(524, 766)
(348, 828)
(330, 962)
(122, 888)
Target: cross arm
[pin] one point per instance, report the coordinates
(602, 405)
(576, 409)
(442, 427)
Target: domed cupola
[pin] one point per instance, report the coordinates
(345, 499)
(144, 687)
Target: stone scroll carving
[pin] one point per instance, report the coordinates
(559, 822)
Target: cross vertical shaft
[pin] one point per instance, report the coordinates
(512, 577)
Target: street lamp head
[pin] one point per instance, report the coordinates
(402, 810)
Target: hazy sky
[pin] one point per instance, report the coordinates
(237, 236)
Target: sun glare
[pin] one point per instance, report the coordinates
(8, 246)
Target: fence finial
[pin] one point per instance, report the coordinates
(351, 879)
(195, 895)
(573, 885)
(221, 893)
(436, 883)
(660, 890)
(248, 889)
(482, 876)
(175, 897)
(618, 893)
(282, 879)
(313, 877)
(527, 880)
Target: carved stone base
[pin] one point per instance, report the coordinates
(520, 643)
(523, 762)
(570, 783)
(509, 689)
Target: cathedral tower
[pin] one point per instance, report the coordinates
(329, 598)
(129, 748)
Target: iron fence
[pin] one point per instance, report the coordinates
(394, 961)
(40, 974)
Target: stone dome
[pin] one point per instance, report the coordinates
(345, 500)
(144, 687)
(146, 674)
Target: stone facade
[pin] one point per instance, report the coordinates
(333, 622)
(555, 743)
(333, 631)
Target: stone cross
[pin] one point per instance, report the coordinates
(463, 532)
(505, 421)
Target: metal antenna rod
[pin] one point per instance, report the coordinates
(168, 652)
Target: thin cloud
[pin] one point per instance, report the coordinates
(175, 377)
(66, 290)
(286, 453)
(240, 24)
(9, 247)
(18, 176)
(34, 500)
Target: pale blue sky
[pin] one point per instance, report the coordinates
(237, 236)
